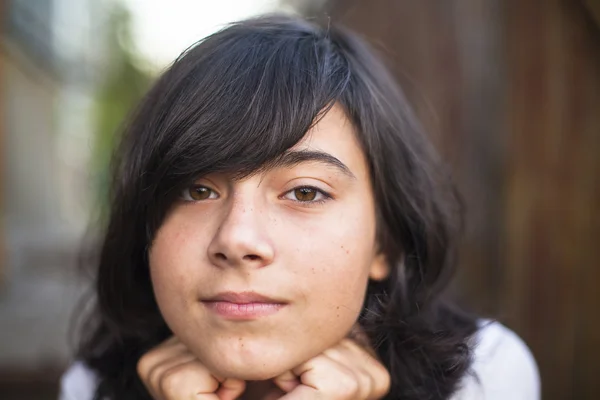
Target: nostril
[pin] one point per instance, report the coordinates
(251, 257)
(221, 256)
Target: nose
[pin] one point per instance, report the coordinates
(241, 239)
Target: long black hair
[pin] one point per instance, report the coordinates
(235, 102)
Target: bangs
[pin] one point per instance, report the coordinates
(238, 100)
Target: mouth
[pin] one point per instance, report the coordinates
(243, 305)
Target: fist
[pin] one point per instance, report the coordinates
(170, 372)
(345, 371)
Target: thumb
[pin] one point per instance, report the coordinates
(287, 381)
(230, 389)
(302, 393)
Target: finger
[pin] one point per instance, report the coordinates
(354, 352)
(172, 343)
(379, 375)
(328, 377)
(157, 355)
(287, 381)
(152, 364)
(345, 356)
(302, 392)
(231, 389)
(156, 374)
(189, 380)
(170, 340)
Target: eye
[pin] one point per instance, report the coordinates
(198, 193)
(307, 194)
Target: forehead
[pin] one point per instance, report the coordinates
(335, 134)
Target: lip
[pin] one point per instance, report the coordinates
(243, 305)
(244, 298)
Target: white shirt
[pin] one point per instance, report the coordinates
(503, 369)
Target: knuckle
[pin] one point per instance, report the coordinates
(144, 365)
(171, 380)
(348, 387)
(366, 386)
(385, 375)
(382, 383)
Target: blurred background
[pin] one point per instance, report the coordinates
(509, 91)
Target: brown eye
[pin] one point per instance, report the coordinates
(198, 193)
(305, 194)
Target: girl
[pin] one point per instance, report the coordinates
(280, 228)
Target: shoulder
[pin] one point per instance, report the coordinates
(503, 367)
(78, 383)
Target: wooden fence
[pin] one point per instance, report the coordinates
(510, 92)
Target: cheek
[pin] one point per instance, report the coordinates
(332, 263)
(174, 260)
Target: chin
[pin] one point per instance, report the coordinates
(260, 372)
(250, 361)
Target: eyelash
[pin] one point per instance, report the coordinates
(325, 196)
(185, 196)
(185, 193)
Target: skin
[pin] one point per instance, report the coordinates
(313, 250)
(345, 371)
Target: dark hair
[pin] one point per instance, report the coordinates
(235, 102)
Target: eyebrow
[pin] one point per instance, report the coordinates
(292, 158)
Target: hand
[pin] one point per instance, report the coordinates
(346, 371)
(170, 372)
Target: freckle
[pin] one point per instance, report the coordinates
(337, 308)
(347, 251)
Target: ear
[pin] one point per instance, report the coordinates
(380, 268)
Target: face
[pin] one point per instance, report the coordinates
(258, 275)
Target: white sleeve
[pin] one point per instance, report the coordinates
(503, 368)
(77, 383)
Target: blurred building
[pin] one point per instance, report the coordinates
(50, 52)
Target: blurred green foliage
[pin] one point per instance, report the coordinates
(123, 84)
